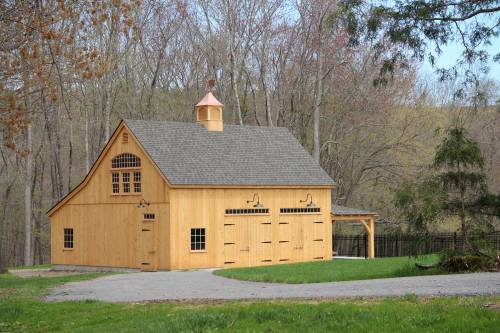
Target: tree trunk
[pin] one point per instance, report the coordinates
(38, 180)
(269, 116)
(54, 148)
(70, 154)
(3, 222)
(87, 155)
(28, 251)
(463, 223)
(107, 114)
(235, 89)
(317, 108)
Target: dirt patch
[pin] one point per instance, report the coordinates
(41, 272)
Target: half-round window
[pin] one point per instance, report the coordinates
(126, 160)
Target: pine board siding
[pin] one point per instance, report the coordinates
(106, 226)
(229, 236)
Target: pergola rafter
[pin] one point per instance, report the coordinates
(366, 218)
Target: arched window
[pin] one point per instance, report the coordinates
(126, 181)
(126, 160)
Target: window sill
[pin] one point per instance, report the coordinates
(125, 194)
(67, 249)
(125, 169)
(198, 251)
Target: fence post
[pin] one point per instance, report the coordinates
(455, 241)
(365, 239)
(357, 245)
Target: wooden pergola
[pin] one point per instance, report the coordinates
(366, 218)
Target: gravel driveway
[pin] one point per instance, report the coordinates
(203, 285)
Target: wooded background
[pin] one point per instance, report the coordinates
(275, 63)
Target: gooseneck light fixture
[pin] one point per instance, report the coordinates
(142, 204)
(258, 204)
(311, 203)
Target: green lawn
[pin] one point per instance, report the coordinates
(21, 310)
(32, 267)
(334, 270)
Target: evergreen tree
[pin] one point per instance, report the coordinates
(421, 29)
(420, 203)
(459, 164)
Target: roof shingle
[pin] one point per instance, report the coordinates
(188, 154)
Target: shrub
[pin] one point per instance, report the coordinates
(466, 262)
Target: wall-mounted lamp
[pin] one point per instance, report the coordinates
(311, 203)
(142, 204)
(258, 204)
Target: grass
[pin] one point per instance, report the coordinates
(32, 267)
(334, 270)
(22, 310)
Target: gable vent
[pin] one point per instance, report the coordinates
(125, 138)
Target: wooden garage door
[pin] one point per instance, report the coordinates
(301, 238)
(247, 241)
(291, 238)
(260, 240)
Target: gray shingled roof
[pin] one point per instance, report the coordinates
(188, 154)
(342, 210)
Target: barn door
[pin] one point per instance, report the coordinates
(260, 238)
(146, 249)
(236, 242)
(242, 242)
(248, 241)
(297, 238)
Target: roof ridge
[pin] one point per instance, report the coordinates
(196, 123)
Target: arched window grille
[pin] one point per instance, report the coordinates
(126, 160)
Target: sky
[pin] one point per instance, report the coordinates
(452, 52)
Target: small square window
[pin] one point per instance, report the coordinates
(198, 239)
(68, 238)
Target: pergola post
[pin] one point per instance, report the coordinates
(371, 238)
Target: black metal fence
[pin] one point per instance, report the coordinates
(398, 245)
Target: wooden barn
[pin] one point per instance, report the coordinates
(170, 195)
